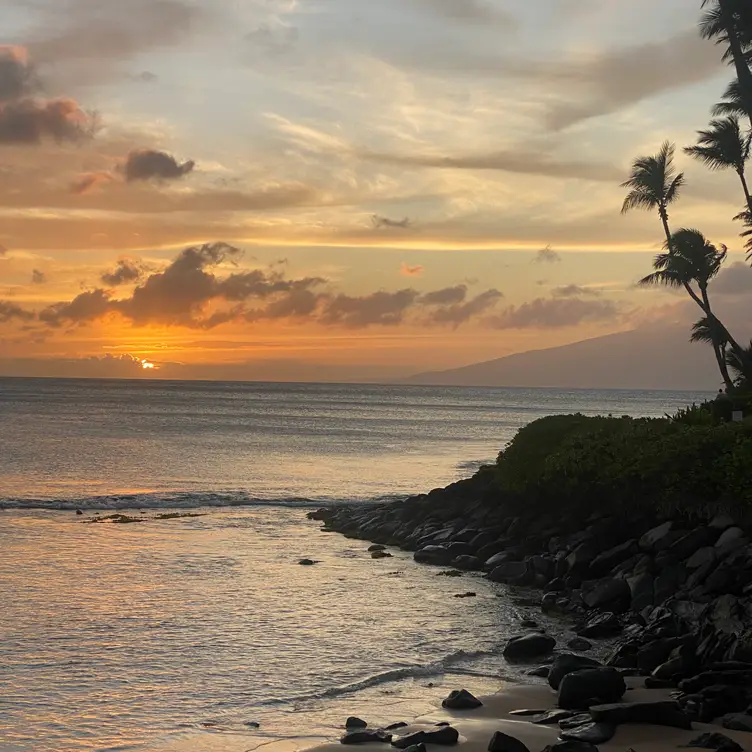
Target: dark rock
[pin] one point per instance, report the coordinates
(556, 586)
(651, 682)
(501, 742)
(461, 699)
(381, 555)
(496, 560)
(529, 624)
(376, 547)
(602, 625)
(570, 745)
(579, 560)
(657, 538)
(445, 735)
(363, 736)
(654, 654)
(466, 563)
(457, 549)
(355, 722)
(433, 555)
(526, 712)
(252, 724)
(691, 542)
(541, 672)
(605, 563)
(578, 719)
(465, 595)
(594, 733)
(308, 562)
(566, 663)
(702, 557)
(581, 689)
(721, 522)
(450, 573)
(732, 534)
(550, 717)
(668, 670)
(737, 722)
(416, 748)
(608, 592)
(714, 740)
(79, 512)
(660, 713)
(510, 571)
(395, 726)
(528, 646)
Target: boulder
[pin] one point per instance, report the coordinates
(642, 590)
(691, 542)
(602, 625)
(444, 735)
(376, 547)
(496, 560)
(701, 557)
(721, 522)
(732, 534)
(528, 646)
(594, 733)
(354, 722)
(501, 742)
(395, 726)
(581, 689)
(579, 560)
(566, 663)
(466, 563)
(657, 538)
(510, 571)
(714, 740)
(541, 672)
(659, 713)
(364, 736)
(432, 555)
(605, 563)
(380, 555)
(570, 745)
(580, 644)
(458, 548)
(461, 699)
(737, 722)
(551, 717)
(607, 592)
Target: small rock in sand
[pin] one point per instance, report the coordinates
(570, 745)
(355, 722)
(584, 688)
(580, 643)
(376, 547)
(501, 742)
(553, 716)
(530, 645)
(395, 726)
(308, 562)
(593, 733)
(737, 722)
(466, 595)
(526, 711)
(540, 671)
(461, 699)
(715, 741)
(381, 555)
(363, 736)
(79, 512)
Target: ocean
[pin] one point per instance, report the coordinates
(183, 633)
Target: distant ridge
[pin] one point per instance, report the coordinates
(638, 359)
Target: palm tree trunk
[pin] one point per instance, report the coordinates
(666, 229)
(743, 73)
(743, 178)
(722, 366)
(716, 325)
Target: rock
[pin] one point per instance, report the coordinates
(381, 555)
(581, 689)
(691, 542)
(526, 712)
(732, 534)
(550, 717)
(570, 745)
(608, 560)
(608, 592)
(594, 733)
(433, 555)
(603, 625)
(308, 562)
(252, 724)
(642, 590)
(529, 624)
(501, 742)
(79, 512)
(461, 699)
(355, 722)
(579, 560)
(445, 735)
(667, 670)
(466, 595)
(702, 557)
(395, 726)
(416, 748)
(541, 672)
(578, 719)
(466, 563)
(653, 654)
(510, 571)
(720, 522)
(450, 573)
(714, 740)
(737, 722)
(363, 736)
(376, 547)
(659, 713)
(566, 663)
(527, 646)
(657, 538)
(579, 643)
(496, 560)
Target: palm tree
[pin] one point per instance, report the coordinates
(722, 146)
(710, 331)
(735, 102)
(654, 184)
(741, 365)
(746, 218)
(727, 22)
(692, 260)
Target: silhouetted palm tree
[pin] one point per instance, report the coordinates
(654, 184)
(691, 259)
(724, 146)
(727, 22)
(711, 332)
(735, 102)
(746, 218)
(741, 365)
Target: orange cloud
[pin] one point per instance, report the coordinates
(411, 271)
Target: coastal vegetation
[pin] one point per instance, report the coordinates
(690, 261)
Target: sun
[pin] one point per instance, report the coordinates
(146, 365)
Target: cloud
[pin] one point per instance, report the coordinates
(471, 11)
(38, 277)
(3, 250)
(447, 296)
(125, 272)
(517, 161)
(17, 79)
(543, 313)
(459, 313)
(10, 311)
(733, 281)
(574, 291)
(382, 308)
(90, 180)
(30, 121)
(411, 271)
(88, 306)
(148, 164)
(394, 224)
(547, 255)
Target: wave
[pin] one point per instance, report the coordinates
(435, 668)
(179, 500)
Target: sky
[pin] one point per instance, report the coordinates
(340, 189)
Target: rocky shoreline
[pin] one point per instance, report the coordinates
(675, 592)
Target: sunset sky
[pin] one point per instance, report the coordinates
(339, 189)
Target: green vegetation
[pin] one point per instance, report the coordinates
(690, 260)
(688, 465)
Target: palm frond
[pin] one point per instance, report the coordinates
(722, 145)
(638, 199)
(653, 181)
(665, 277)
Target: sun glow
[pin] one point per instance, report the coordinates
(146, 365)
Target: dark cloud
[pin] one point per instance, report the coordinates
(38, 277)
(447, 296)
(148, 164)
(547, 255)
(125, 271)
(516, 161)
(31, 121)
(10, 311)
(411, 271)
(17, 79)
(86, 307)
(394, 224)
(379, 308)
(459, 313)
(574, 291)
(544, 313)
(735, 280)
